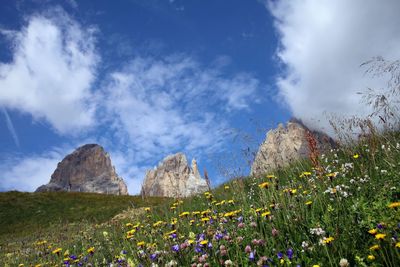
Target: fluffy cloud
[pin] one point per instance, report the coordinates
(323, 43)
(51, 73)
(162, 106)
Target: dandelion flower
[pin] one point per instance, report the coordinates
(371, 257)
(264, 185)
(380, 236)
(56, 251)
(308, 203)
(374, 247)
(394, 205)
(373, 231)
(397, 245)
(328, 240)
(140, 244)
(90, 250)
(356, 156)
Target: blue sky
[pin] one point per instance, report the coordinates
(147, 78)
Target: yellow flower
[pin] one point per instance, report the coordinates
(394, 205)
(305, 174)
(90, 250)
(183, 214)
(204, 242)
(328, 240)
(264, 185)
(264, 214)
(373, 231)
(380, 236)
(56, 251)
(355, 156)
(308, 203)
(270, 176)
(206, 219)
(147, 209)
(374, 247)
(226, 187)
(140, 244)
(158, 223)
(128, 225)
(172, 208)
(231, 201)
(371, 257)
(21, 265)
(315, 265)
(397, 245)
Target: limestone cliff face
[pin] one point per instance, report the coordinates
(284, 145)
(174, 178)
(87, 169)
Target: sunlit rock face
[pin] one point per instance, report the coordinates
(87, 169)
(174, 178)
(285, 145)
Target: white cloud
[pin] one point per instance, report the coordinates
(51, 73)
(159, 107)
(29, 172)
(323, 43)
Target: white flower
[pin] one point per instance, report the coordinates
(344, 263)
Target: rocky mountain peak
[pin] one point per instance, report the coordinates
(174, 178)
(286, 144)
(87, 169)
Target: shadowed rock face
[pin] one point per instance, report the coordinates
(174, 178)
(285, 145)
(87, 169)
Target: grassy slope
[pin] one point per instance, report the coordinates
(25, 213)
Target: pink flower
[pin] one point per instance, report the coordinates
(247, 249)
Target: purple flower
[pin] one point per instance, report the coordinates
(280, 255)
(73, 257)
(124, 252)
(380, 226)
(240, 219)
(173, 235)
(290, 253)
(251, 256)
(209, 245)
(175, 248)
(153, 256)
(198, 249)
(218, 236)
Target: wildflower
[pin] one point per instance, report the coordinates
(21, 265)
(356, 156)
(371, 257)
(394, 205)
(380, 236)
(140, 244)
(397, 245)
(289, 253)
(264, 185)
(247, 249)
(184, 214)
(175, 248)
(129, 225)
(308, 203)
(147, 209)
(265, 214)
(203, 242)
(231, 201)
(56, 251)
(374, 247)
(271, 176)
(328, 240)
(373, 231)
(344, 263)
(251, 256)
(315, 265)
(228, 263)
(226, 187)
(274, 232)
(305, 174)
(90, 250)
